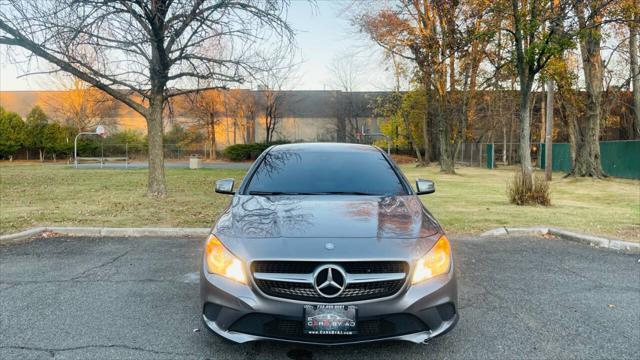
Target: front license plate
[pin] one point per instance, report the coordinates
(330, 319)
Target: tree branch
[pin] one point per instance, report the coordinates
(22, 41)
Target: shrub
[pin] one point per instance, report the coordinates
(520, 194)
(243, 152)
(12, 133)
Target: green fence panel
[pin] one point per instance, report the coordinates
(561, 157)
(618, 158)
(621, 158)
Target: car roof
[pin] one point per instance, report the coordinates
(324, 147)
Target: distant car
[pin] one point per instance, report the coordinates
(333, 232)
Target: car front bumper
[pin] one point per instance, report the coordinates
(417, 313)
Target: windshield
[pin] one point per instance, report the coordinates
(325, 172)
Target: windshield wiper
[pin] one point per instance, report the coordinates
(343, 193)
(257, 192)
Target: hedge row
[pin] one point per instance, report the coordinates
(243, 152)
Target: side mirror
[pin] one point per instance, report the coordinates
(225, 186)
(424, 187)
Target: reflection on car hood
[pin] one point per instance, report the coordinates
(297, 226)
(321, 216)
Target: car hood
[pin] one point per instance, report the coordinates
(300, 226)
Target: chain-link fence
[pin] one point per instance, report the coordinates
(475, 154)
(472, 154)
(140, 151)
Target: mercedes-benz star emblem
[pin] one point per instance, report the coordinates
(329, 280)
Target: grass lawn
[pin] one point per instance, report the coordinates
(475, 200)
(472, 201)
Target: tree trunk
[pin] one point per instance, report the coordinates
(214, 142)
(252, 137)
(513, 151)
(588, 155)
(504, 141)
(588, 151)
(156, 185)
(572, 128)
(268, 127)
(548, 136)
(543, 118)
(569, 115)
(341, 128)
(41, 155)
(446, 157)
(425, 138)
(414, 146)
(635, 74)
(267, 136)
(426, 144)
(526, 75)
(525, 137)
(247, 131)
(235, 130)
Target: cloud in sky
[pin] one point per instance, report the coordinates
(324, 34)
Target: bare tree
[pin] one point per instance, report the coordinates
(81, 106)
(345, 72)
(207, 106)
(271, 83)
(345, 76)
(249, 109)
(144, 52)
(237, 107)
(272, 102)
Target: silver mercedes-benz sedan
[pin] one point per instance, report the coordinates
(327, 244)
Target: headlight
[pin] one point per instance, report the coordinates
(436, 262)
(220, 261)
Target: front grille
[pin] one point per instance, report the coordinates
(287, 289)
(292, 329)
(306, 267)
(305, 291)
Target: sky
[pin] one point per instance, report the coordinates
(323, 31)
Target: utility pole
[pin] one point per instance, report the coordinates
(548, 141)
(635, 71)
(548, 136)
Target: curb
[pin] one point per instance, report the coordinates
(594, 241)
(103, 231)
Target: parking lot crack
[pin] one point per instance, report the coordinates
(9, 286)
(104, 264)
(53, 351)
(28, 348)
(12, 284)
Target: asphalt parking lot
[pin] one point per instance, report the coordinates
(112, 298)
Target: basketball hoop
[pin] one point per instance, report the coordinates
(101, 131)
